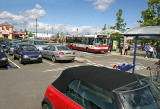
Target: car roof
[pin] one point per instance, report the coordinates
(23, 44)
(108, 79)
(36, 40)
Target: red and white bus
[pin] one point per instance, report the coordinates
(89, 43)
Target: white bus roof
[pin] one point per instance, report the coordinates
(94, 36)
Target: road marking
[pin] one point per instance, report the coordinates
(14, 64)
(60, 69)
(48, 62)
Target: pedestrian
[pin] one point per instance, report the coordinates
(110, 47)
(120, 48)
(126, 49)
(151, 51)
(155, 53)
(147, 48)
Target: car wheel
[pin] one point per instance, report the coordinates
(40, 61)
(45, 106)
(21, 61)
(14, 57)
(53, 59)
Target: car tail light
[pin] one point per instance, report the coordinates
(61, 53)
(74, 53)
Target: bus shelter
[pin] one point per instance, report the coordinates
(148, 32)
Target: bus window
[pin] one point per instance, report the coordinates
(90, 41)
(100, 41)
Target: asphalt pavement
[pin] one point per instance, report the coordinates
(23, 86)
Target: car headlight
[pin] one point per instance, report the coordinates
(3, 59)
(25, 56)
(40, 56)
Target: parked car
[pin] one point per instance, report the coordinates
(3, 44)
(3, 58)
(40, 44)
(11, 45)
(91, 87)
(58, 52)
(27, 53)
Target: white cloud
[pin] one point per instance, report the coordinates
(38, 6)
(34, 13)
(101, 5)
(27, 18)
(65, 28)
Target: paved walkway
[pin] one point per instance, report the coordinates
(131, 56)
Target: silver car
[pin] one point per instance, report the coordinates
(40, 44)
(58, 52)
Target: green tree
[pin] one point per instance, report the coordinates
(57, 36)
(120, 25)
(112, 27)
(25, 30)
(151, 16)
(104, 28)
(62, 35)
(116, 35)
(30, 34)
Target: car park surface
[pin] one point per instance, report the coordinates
(24, 86)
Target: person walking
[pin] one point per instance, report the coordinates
(151, 51)
(120, 48)
(147, 48)
(155, 53)
(110, 47)
(126, 49)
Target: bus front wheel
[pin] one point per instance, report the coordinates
(87, 50)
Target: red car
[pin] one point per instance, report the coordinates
(90, 87)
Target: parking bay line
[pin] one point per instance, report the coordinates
(14, 64)
(60, 69)
(48, 62)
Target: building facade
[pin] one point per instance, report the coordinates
(6, 30)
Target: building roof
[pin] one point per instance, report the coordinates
(6, 24)
(106, 78)
(147, 32)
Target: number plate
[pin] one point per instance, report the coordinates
(68, 53)
(33, 59)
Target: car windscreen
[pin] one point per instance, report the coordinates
(12, 45)
(29, 48)
(62, 48)
(1, 50)
(39, 42)
(144, 97)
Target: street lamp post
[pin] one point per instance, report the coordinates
(36, 27)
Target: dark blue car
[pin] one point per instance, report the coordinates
(3, 44)
(27, 53)
(3, 58)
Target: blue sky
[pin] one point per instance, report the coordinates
(78, 13)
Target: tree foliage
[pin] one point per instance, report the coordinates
(30, 34)
(57, 36)
(151, 16)
(104, 28)
(25, 30)
(116, 35)
(120, 25)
